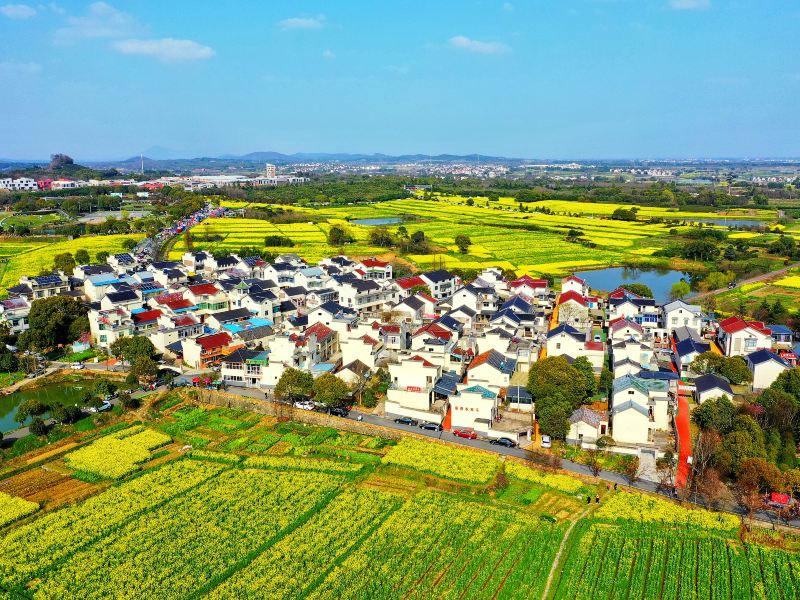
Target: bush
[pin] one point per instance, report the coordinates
(38, 427)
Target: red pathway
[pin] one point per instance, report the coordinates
(684, 433)
(684, 441)
(447, 423)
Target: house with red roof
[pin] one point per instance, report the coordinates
(738, 337)
(172, 330)
(372, 268)
(529, 287)
(365, 348)
(574, 284)
(405, 285)
(207, 350)
(207, 297)
(146, 320)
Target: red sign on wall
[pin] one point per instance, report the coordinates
(413, 388)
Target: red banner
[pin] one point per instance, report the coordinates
(779, 498)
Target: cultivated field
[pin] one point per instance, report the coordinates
(528, 242)
(262, 508)
(31, 258)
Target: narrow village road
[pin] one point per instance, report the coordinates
(557, 558)
(756, 279)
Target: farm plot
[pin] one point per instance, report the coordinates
(13, 508)
(40, 257)
(635, 561)
(118, 454)
(445, 547)
(443, 461)
(212, 529)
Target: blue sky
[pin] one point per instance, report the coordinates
(556, 79)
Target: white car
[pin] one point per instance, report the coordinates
(104, 406)
(77, 366)
(304, 405)
(547, 442)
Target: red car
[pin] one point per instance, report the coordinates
(465, 433)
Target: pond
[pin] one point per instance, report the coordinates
(378, 221)
(730, 222)
(658, 280)
(61, 393)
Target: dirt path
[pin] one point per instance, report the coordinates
(756, 279)
(557, 559)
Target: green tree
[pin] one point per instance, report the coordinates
(715, 413)
(82, 257)
(606, 381)
(130, 348)
(50, 322)
(294, 385)
(553, 417)
(144, 369)
(329, 390)
(555, 377)
(64, 262)
(38, 427)
(381, 237)
(585, 368)
(463, 242)
(129, 243)
(788, 381)
(102, 256)
(639, 289)
(33, 407)
(734, 369)
(128, 402)
(338, 236)
(679, 290)
(8, 362)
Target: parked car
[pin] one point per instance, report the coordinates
(547, 441)
(467, 434)
(304, 405)
(406, 421)
(505, 442)
(104, 406)
(430, 426)
(77, 366)
(339, 411)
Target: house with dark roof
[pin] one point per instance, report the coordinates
(765, 366)
(243, 367)
(686, 351)
(128, 299)
(519, 398)
(782, 337)
(491, 369)
(218, 319)
(639, 408)
(711, 386)
(441, 283)
(586, 426)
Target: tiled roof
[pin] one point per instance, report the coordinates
(409, 282)
(146, 316)
(495, 359)
(418, 358)
(208, 289)
(572, 295)
(735, 324)
(215, 340)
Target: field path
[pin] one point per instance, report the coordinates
(557, 559)
(756, 279)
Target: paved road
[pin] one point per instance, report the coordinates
(756, 279)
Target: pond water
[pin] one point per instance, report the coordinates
(61, 393)
(730, 222)
(378, 221)
(658, 280)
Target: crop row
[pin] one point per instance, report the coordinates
(288, 569)
(563, 483)
(644, 563)
(291, 463)
(38, 545)
(439, 546)
(183, 545)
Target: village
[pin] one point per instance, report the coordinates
(457, 355)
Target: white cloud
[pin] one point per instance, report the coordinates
(14, 69)
(464, 43)
(56, 8)
(165, 50)
(328, 54)
(317, 22)
(690, 4)
(508, 7)
(101, 21)
(17, 11)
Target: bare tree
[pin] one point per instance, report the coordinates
(631, 471)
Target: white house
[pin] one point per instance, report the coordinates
(711, 386)
(491, 370)
(473, 407)
(574, 284)
(639, 408)
(411, 386)
(682, 314)
(738, 337)
(586, 426)
(765, 367)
